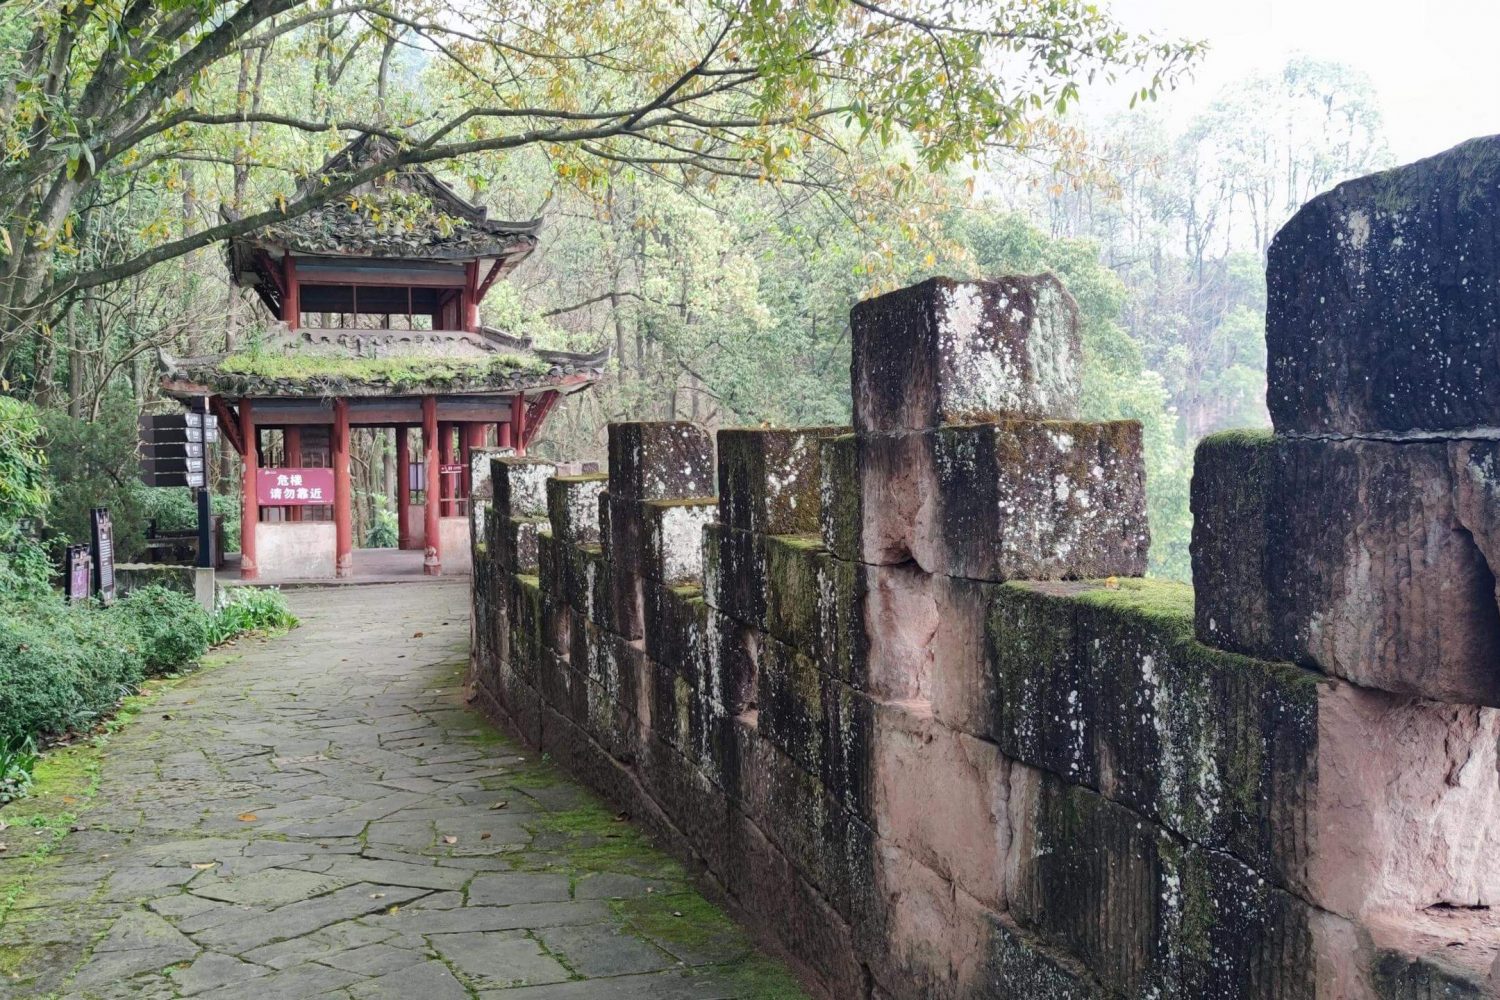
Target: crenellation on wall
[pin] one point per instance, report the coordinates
(904, 700)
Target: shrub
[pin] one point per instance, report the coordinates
(63, 666)
(250, 609)
(384, 531)
(174, 509)
(17, 762)
(96, 465)
(24, 570)
(173, 629)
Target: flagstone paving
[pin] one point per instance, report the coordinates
(324, 816)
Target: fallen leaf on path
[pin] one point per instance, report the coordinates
(418, 635)
(394, 910)
(498, 805)
(377, 895)
(450, 840)
(205, 866)
(247, 817)
(484, 836)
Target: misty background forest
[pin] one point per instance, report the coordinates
(717, 253)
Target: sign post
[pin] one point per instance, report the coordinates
(104, 554)
(209, 425)
(80, 573)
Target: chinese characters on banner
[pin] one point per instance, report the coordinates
(294, 487)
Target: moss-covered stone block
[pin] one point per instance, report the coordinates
(1372, 559)
(1380, 312)
(946, 351)
(792, 589)
(732, 661)
(1107, 688)
(672, 549)
(551, 564)
(837, 635)
(840, 513)
(518, 552)
(1145, 912)
(789, 696)
(734, 573)
(677, 627)
(520, 485)
(660, 461)
(573, 506)
(769, 479)
(1232, 489)
(1027, 499)
(526, 633)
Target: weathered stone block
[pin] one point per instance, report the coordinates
(896, 479)
(1145, 912)
(945, 351)
(526, 642)
(1018, 964)
(769, 479)
(837, 631)
(734, 573)
(551, 564)
(1379, 315)
(789, 696)
(1394, 591)
(1033, 500)
(840, 512)
(676, 627)
(1107, 688)
(792, 588)
(733, 651)
(573, 507)
(518, 544)
(660, 461)
(520, 485)
(673, 540)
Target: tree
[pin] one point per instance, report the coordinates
(98, 96)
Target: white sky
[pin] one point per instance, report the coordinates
(1434, 63)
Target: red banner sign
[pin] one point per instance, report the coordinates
(294, 487)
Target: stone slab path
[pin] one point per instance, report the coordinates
(324, 816)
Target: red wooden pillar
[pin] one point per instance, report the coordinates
(450, 483)
(502, 435)
(249, 503)
(291, 307)
(403, 486)
(465, 439)
(343, 523)
(476, 433)
(470, 301)
(432, 559)
(291, 438)
(518, 423)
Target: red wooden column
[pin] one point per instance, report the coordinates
(518, 423)
(432, 559)
(450, 483)
(249, 503)
(502, 435)
(471, 296)
(343, 523)
(291, 306)
(291, 438)
(465, 438)
(403, 486)
(475, 438)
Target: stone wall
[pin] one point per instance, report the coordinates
(900, 692)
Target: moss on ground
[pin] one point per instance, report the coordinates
(689, 927)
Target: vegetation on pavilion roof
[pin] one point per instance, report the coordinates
(258, 372)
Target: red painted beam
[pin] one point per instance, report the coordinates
(229, 424)
(536, 414)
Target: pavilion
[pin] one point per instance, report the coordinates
(373, 303)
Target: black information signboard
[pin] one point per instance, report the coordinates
(104, 555)
(80, 573)
(174, 448)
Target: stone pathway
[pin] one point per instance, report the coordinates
(324, 816)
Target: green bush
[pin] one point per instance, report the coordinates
(17, 762)
(174, 510)
(63, 666)
(384, 532)
(250, 609)
(94, 464)
(173, 629)
(24, 569)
